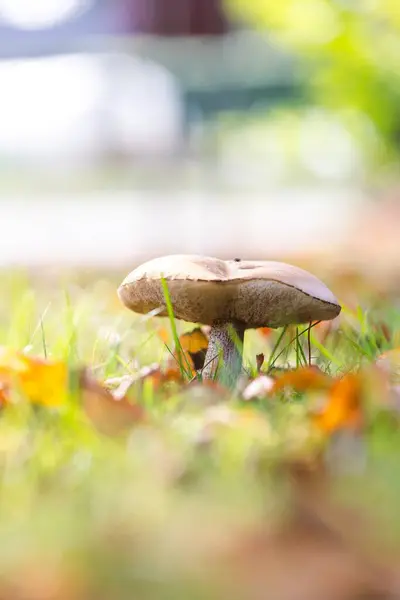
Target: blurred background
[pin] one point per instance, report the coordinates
(260, 129)
(263, 129)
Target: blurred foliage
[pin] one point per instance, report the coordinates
(353, 49)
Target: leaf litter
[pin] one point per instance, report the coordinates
(314, 547)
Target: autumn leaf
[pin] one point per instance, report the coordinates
(303, 379)
(41, 381)
(193, 346)
(110, 416)
(343, 406)
(46, 383)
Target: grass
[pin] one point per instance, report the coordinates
(148, 513)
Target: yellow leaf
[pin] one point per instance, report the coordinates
(40, 381)
(194, 346)
(194, 341)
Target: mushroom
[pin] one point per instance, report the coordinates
(230, 296)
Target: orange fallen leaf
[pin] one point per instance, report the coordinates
(109, 415)
(46, 383)
(303, 379)
(343, 406)
(193, 346)
(41, 381)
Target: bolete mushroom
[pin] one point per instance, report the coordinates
(231, 296)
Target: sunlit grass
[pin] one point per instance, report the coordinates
(136, 514)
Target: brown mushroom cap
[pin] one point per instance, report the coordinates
(209, 291)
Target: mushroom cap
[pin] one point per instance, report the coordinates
(209, 290)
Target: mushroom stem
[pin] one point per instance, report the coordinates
(223, 360)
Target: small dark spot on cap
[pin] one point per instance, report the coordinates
(237, 259)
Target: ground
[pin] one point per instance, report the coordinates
(124, 476)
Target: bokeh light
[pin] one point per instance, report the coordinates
(40, 14)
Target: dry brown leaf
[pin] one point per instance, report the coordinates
(109, 415)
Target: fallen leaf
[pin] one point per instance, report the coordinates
(343, 407)
(193, 345)
(303, 379)
(41, 381)
(108, 414)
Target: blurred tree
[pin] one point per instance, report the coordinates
(353, 47)
(175, 18)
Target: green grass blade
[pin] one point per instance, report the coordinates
(43, 338)
(324, 351)
(175, 336)
(271, 360)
